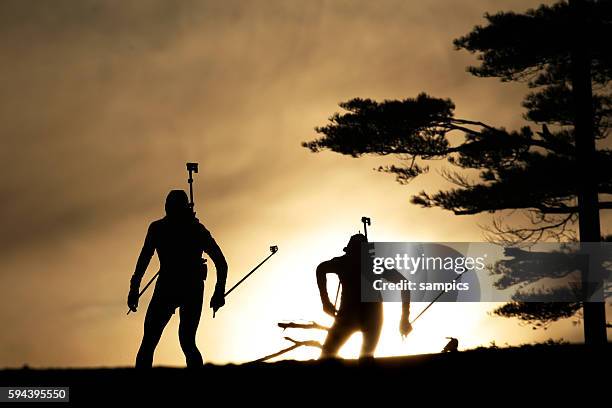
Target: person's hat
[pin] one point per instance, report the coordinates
(177, 203)
(355, 242)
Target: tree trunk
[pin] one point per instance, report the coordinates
(588, 200)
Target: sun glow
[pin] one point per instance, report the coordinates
(285, 290)
(429, 334)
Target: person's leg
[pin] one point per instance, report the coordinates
(190, 313)
(158, 315)
(336, 337)
(371, 327)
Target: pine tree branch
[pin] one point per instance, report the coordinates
(296, 344)
(604, 205)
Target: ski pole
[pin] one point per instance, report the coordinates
(145, 288)
(437, 297)
(273, 250)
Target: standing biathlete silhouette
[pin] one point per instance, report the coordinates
(354, 315)
(179, 239)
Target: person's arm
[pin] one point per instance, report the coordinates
(322, 270)
(394, 276)
(146, 253)
(218, 259)
(405, 309)
(214, 252)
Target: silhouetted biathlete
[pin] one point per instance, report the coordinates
(353, 314)
(179, 240)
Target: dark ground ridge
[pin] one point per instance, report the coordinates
(541, 370)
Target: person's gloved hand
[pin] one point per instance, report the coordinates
(405, 327)
(218, 299)
(329, 309)
(133, 299)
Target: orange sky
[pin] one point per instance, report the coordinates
(104, 102)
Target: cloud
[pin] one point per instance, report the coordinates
(104, 102)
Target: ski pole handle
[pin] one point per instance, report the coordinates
(144, 289)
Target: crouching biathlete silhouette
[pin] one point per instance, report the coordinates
(179, 239)
(353, 314)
